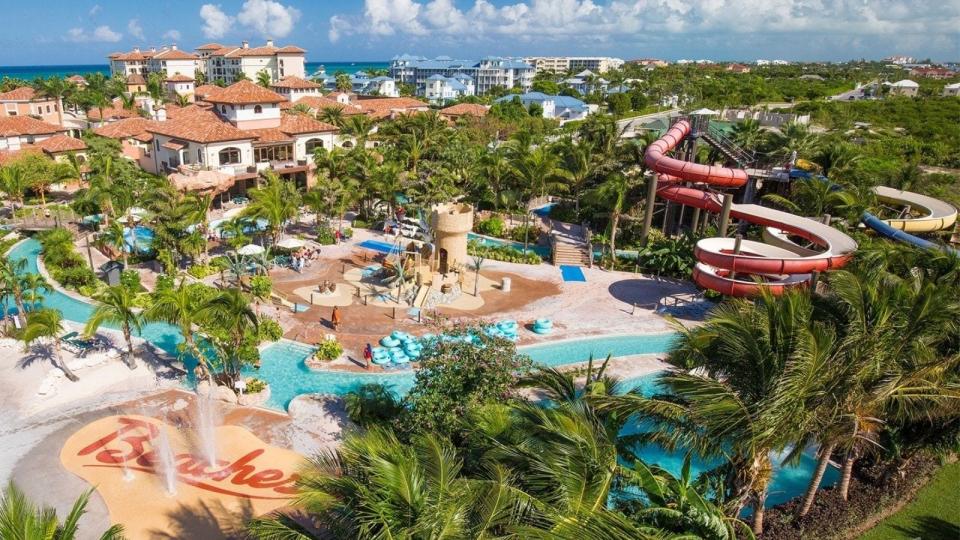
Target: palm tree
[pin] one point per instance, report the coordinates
(494, 169)
(302, 109)
(14, 183)
(32, 285)
(230, 309)
(614, 192)
(56, 88)
(318, 201)
(813, 197)
(11, 272)
(183, 100)
(344, 84)
(748, 134)
(264, 78)
(22, 520)
(358, 126)
(113, 236)
(178, 306)
(724, 391)
(240, 76)
(117, 305)
(277, 201)
(331, 115)
(375, 486)
(578, 169)
(198, 211)
(47, 324)
(538, 171)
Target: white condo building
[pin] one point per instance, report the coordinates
(216, 61)
(486, 73)
(563, 64)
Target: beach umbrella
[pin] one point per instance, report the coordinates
(250, 249)
(128, 219)
(136, 210)
(291, 243)
(232, 213)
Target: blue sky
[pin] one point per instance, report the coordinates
(81, 31)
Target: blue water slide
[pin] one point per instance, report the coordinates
(883, 229)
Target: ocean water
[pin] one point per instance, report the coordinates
(32, 72)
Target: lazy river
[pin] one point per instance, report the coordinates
(283, 367)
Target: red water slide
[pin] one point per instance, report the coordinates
(719, 267)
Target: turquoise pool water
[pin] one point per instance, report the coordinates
(139, 238)
(489, 241)
(788, 482)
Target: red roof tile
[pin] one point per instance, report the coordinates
(209, 47)
(466, 109)
(269, 136)
(122, 129)
(136, 78)
(171, 54)
(318, 103)
(245, 92)
(12, 126)
(179, 78)
(61, 143)
(199, 125)
(23, 93)
(297, 124)
(291, 81)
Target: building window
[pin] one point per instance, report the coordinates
(229, 156)
(313, 144)
(257, 109)
(223, 109)
(199, 155)
(273, 153)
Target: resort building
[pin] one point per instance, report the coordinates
(563, 108)
(441, 89)
(738, 68)
(649, 63)
(226, 63)
(951, 90)
(587, 82)
(173, 61)
(23, 134)
(487, 73)
(136, 83)
(180, 85)
(464, 110)
(932, 72)
(564, 64)
(25, 101)
(906, 87)
(362, 83)
(900, 59)
(295, 88)
(217, 61)
(377, 108)
(223, 148)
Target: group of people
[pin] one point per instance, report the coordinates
(303, 257)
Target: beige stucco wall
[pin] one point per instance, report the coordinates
(451, 222)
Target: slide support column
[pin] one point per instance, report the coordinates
(725, 214)
(648, 214)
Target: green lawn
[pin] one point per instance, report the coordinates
(932, 515)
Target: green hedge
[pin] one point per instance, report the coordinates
(502, 253)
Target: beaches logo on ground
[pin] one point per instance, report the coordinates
(131, 447)
(121, 457)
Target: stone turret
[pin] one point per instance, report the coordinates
(451, 222)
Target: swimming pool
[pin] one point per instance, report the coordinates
(377, 245)
(489, 241)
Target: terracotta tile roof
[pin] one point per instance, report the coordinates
(318, 103)
(227, 49)
(23, 93)
(174, 110)
(206, 90)
(199, 125)
(61, 143)
(263, 51)
(384, 107)
(77, 79)
(290, 49)
(114, 56)
(298, 124)
(269, 136)
(292, 81)
(125, 128)
(136, 78)
(245, 92)
(466, 109)
(179, 78)
(171, 54)
(174, 144)
(135, 55)
(12, 126)
(209, 47)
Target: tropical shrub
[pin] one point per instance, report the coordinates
(325, 236)
(255, 385)
(201, 271)
(372, 404)
(260, 286)
(269, 330)
(492, 226)
(360, 223)
(328, 350)
(502, 253)
(668, 256)
(529, 233)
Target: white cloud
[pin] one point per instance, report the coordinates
(172, 35)
(216, 23)
(268, 18)
(94, 10)
(135, 30)
(101, 33)
(616, 20)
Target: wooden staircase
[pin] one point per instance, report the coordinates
(570, 251)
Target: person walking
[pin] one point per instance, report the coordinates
(367, 356)
(335, 318)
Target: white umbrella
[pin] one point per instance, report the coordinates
(251, 249)
(291, 243)
(233, 212)
(124, 219)
(136, 210)
(704, 112)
